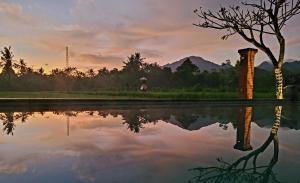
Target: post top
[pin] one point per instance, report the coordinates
(248, 50)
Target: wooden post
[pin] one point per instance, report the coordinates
(246, 73)
(244, 129)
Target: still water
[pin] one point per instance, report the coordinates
(150, 143)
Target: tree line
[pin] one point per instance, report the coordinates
(16, 75)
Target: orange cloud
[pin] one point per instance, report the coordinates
(99, 60)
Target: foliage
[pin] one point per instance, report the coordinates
(17, 76)
(6, 62)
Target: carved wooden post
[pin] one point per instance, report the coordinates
(244, 129)
(246, 73)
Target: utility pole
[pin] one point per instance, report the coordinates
(67, 56)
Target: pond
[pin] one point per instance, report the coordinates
(150, 143)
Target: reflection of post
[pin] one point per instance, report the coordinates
(240, 170)
(68, 125)
(246, 73)
(244, 129)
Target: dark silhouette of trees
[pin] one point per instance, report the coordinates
(134, 63)
(7, 62)
(22, 67)
(255, 22)
(18, 76)
(187, 66)
(185, 74)
(132, 71)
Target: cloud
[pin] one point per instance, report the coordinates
(161, 30)
(293, 42)
(109, 61)
(148, 53)
(12, 13)
(71, 35)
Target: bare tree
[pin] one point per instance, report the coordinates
(255, 21)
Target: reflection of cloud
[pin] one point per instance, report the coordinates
(129, 159)
(15, 163)
(12, 169)
(103, 150)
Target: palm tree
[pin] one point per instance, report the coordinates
(6, 62)
(21, 66)
(41, 71)
(134, 63)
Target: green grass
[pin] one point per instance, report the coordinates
(131, 95)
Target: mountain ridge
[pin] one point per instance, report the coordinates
(291, 65)
(201, 63)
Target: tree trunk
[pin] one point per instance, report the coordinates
(279, 83)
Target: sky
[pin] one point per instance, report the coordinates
(103, 33)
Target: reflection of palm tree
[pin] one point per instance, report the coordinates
(8, 123)
(239, 170)
(9, 118)
(136, 119)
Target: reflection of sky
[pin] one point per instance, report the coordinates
(104, 150)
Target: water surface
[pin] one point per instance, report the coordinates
(148, 143)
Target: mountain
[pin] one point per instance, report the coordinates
(202, 64)
(289, 65)
(266, 66)
(293, 67)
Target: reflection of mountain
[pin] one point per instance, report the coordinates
(190, 122)
(186, 116)
(197, 117)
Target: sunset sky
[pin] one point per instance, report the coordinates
(104, 32)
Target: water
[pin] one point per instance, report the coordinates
(154, 143)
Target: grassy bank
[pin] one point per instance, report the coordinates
(132, 95)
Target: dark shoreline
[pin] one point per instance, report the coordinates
(25, 104)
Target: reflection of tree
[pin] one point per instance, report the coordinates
(136, 119)
(8, 123)
(66, 113)
(8, 119)
(239, 171)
